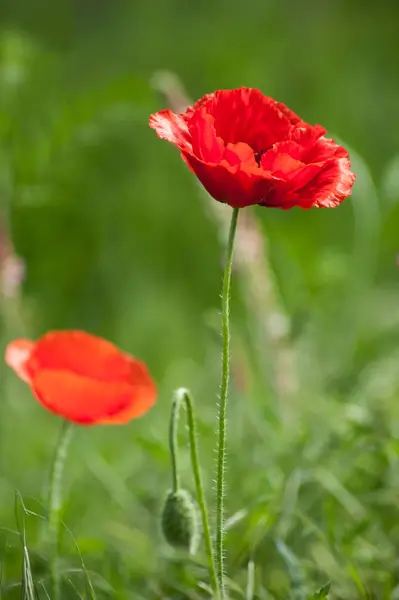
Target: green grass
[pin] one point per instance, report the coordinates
(118, 240)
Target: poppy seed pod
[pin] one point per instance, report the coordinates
(180, 521)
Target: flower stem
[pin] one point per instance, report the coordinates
(222, 416)
(173, 445)
(55, 503)
(182, 395)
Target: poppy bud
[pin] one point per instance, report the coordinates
(180, 521)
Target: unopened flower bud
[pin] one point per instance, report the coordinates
(180, 521)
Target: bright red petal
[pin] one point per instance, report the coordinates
(322, 150)
(205, 144)
(240, 155)
(230, 184)
(17, 356)
(80, 399)
(306, 135)
(280, 160)
(246, 115)
(80, 353)
(144, 394)
(287, 112)
(291, 148)
(198, 104)
(172, 127)
(329, 187)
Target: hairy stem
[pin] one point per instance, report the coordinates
(183, 396)
(222, 416)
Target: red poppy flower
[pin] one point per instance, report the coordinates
(83, 378)
(246, 148)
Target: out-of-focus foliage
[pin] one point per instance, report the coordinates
(116, 239)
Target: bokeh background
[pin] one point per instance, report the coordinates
(115, 236)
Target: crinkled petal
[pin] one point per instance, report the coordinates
(306, 135)
(322, 150)
(287, 112)
(304, 175)
(205, 144)
(246, 115)
(322, 185)
(329, 187)
(291, 148)
(197, 105)
(172, 127)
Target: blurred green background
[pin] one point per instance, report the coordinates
(118, 239)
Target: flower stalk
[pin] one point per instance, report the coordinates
(183, 396)
(222, 415)
(55, 504)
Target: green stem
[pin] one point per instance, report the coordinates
(183, 396)
(173, 445)
(222, 416)
(55, 503)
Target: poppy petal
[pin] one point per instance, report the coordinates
(330, 185)
(144, 395)
(306, 135)
(323, 185)
(83, 400)
(172, 127)
(240, 155)
(246, 115)
(323, 149)
(280, 163)
(17, 356)
(230, 184)
(287, 112)
(81, 353)
(206, 145)
(291, 148)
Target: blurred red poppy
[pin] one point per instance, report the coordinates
(246, 149)
(83, 378)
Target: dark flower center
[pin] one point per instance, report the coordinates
(258, 155)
